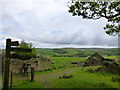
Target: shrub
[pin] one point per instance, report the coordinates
(116, 78)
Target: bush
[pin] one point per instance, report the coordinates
(116, 78)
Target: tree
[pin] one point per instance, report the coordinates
(25, 55)
(96, 10)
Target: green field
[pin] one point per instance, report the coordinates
(66, 61)
(76, 52)
(81, 79)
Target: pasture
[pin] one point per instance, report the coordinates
(62, 66)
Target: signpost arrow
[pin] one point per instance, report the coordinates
(14, 43)
(21, 49)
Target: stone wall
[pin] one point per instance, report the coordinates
(108, 65)
(111, 67)
(16, 65)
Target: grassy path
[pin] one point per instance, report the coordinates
(80, 78)
(43, 78)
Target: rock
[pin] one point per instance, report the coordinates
(66, 76)
(74, 62)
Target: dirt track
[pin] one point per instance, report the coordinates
(43, 78)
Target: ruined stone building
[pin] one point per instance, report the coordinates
(108, 65)
(94, 60)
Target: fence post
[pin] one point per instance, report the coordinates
(11, 79)
(32, 74)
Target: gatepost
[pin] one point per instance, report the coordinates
(32, 74)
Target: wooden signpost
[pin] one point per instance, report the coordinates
(7, 61)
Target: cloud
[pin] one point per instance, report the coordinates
(48, 24)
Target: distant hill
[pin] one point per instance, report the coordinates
(76, 52)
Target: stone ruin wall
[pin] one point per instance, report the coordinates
(108, 65)
(16, 64)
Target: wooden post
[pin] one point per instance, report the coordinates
(7, 64)
(11, 79)
(32, 74)
(7, 61)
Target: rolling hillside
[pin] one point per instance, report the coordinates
(76, 52)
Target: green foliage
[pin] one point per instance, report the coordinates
(25, 55)
(95, 10)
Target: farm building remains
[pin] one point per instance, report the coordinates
(96, 60)
(41, 63)
(108, 65)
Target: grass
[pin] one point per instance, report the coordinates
(0, 81)
(83, 79)
(117, 58)
(28, 84)
(71, 51)
(54, 72)
(66, 60)
(24, 82)
(111, 57)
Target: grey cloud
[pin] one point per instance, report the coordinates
(39, 25)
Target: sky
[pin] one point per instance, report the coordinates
(48, 24)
